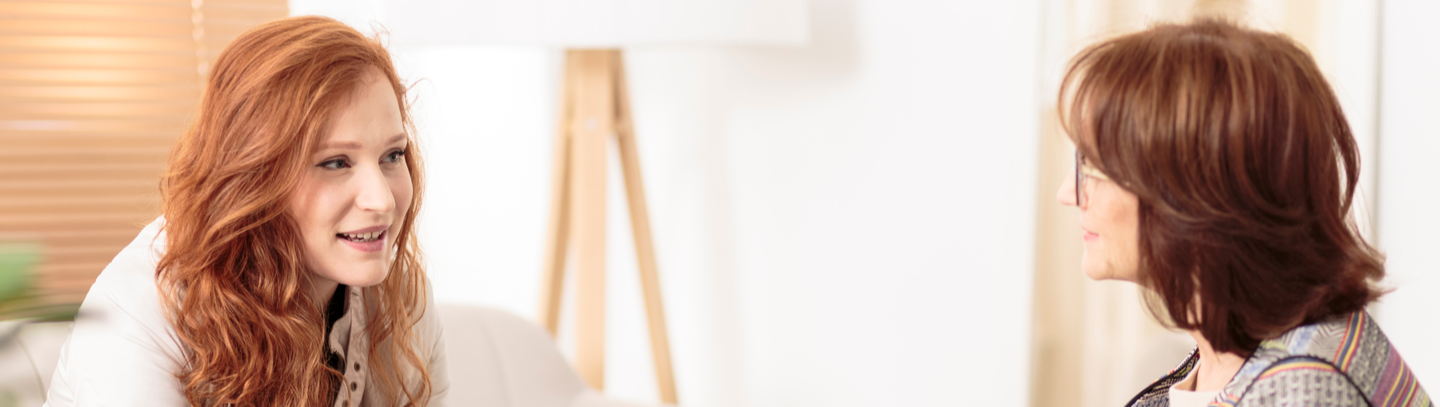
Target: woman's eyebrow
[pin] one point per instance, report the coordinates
(341, 145)
(353, 145)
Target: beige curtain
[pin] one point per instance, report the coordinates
(92, 94)
(1094, 344)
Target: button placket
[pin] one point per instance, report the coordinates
(359, 346)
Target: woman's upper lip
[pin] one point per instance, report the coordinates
(367, 230)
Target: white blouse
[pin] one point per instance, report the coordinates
(123, 351)
(1190, 398)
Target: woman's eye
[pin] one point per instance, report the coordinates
(334, 164)
(394, 156)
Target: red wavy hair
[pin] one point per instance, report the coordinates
(234, 279)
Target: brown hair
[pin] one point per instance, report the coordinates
(236, 289)
(1244, 168)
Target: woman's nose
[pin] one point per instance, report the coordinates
(1066, 194)
(374, 194)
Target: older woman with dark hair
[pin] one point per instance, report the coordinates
(1215, 169)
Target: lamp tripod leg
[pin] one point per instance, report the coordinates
(591, 128)
(557, 230)
(644, 242)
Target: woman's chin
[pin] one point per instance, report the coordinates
(368, 279)
(1097, 272)
(1094, 271)
(1096, 275)
(362, 275)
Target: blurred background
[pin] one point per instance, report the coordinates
(867, 219)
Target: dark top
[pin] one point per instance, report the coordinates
(333, 311)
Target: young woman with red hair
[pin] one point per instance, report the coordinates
(1215, 168)
(285, 269)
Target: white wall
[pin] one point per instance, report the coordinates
(867, 202)
(845, 224)
(1408, 216)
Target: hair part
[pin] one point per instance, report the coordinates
(1244, 167)
(235, 284)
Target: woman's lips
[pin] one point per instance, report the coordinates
(1089, 236)
(370, 246)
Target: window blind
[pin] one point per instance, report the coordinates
(92, 95)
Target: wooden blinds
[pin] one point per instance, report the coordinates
(92, 95)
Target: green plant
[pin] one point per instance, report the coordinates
(15, 263)
(19, 298)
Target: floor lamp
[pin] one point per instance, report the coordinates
(595, 110)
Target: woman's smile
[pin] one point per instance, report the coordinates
(368, 240)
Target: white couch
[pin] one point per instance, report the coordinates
(28, 360)
(496, 360)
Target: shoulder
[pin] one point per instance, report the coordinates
(126, 294)
(122, 347)
(1302, 381)
(1339, 357)
(428, 343)
(431, 334)
(1354, 345)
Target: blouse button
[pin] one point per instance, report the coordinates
(357, 366)
(352, 386)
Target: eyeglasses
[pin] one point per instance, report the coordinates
(1084, 171)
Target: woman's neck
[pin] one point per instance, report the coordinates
(1215, 369)
(321, 291)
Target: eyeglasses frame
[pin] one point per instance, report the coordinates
(1083, 171)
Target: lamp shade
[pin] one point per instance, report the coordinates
(599, 23)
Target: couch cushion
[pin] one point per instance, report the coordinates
(498, 359)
